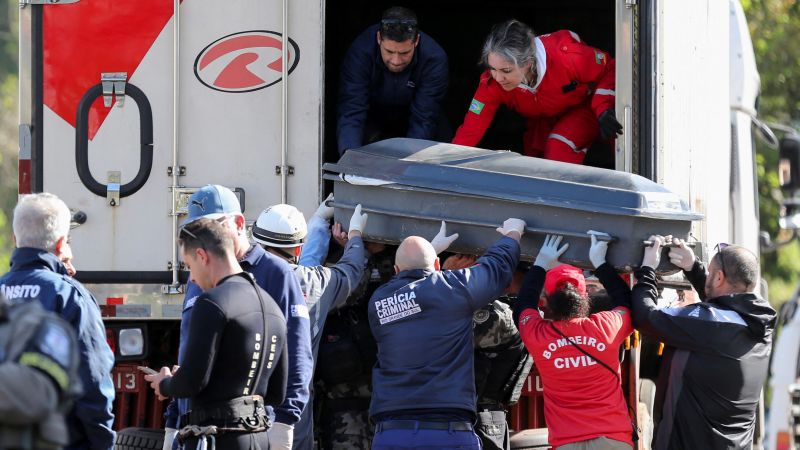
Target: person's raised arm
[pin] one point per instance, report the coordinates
(617, 289)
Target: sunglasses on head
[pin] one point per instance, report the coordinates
(185, 231)
(720, 257)
(399, 24)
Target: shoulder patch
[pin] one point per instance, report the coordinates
(476, 107)
(599, 57)
(621, 312)
(190, 303)
(299, 311)
(55, 342)
(480, 316)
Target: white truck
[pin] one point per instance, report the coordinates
(127, 107)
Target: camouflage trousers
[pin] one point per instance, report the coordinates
(344, 420)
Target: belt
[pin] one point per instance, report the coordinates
(423, 425)
(248, 413)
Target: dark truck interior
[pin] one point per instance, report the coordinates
(460, 28)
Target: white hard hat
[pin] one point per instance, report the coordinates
(280, 226)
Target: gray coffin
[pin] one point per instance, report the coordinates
(408, 186)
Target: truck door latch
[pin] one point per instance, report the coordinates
(112, 188)
(113, 85)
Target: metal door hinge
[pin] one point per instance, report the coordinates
(113, 87)
(631, 3)
(24, 3)
(289, 170)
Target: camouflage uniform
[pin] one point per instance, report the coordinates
(498, 350)
(348, 428)
(344, 413)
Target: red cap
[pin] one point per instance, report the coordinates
(560, 275)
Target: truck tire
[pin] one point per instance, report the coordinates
(139, 439)
(535, 438)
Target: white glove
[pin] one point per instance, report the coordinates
(549, 253)
(280, 436)
(597, 252)
(681, 255)
(441, 241)
(169, 436)
(510, 225)
(325, 212)
(359, 221)
(652, 254)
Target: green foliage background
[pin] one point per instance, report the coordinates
(774, 26)
(775, 30)
(8, 124)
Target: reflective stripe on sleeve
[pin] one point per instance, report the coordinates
(571, 144)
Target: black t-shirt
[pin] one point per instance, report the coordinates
(228, 336)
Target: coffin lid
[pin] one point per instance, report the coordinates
(416, 163)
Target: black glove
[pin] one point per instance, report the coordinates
(609, 126)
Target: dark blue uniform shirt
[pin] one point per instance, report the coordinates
(275, 276)
(422, 322)
(367, 87)
(38, 274)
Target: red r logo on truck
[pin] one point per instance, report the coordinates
(244, 62)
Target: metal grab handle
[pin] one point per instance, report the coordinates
(649, 243)
(145, 141)
(528, 229)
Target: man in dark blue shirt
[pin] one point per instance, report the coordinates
(393, 81)
(41, 227)
(275, 276)
(424, 381)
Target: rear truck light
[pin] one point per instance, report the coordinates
(24, 157)
(131, 342)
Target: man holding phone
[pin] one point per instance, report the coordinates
(235, 361)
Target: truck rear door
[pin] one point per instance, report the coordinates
(127, 107)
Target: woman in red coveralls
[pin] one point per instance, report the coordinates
(564, 88)
(577, 353)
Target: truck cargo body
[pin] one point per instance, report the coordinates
(243, 94)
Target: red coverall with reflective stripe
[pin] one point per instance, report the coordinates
(562, 110)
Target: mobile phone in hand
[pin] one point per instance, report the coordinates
(147, 370)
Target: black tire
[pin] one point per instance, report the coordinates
(139, 439)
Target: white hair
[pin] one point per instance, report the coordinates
(40, 220)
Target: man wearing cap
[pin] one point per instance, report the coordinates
(577, 354)
(393, 81)
(275, 276)
(424, 381)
